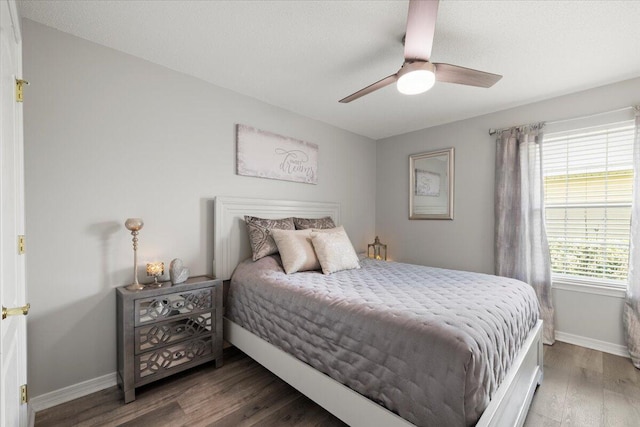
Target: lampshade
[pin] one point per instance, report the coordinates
(134, 224)
(416, 77)
(155, 268)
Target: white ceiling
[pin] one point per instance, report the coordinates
(306, 55)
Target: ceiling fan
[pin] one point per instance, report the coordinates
(417, 74)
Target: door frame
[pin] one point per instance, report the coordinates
(10, 237)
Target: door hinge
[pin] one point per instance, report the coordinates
(24, 397)
(19, 89)
(21, 244)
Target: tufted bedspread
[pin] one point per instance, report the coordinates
(430, 344)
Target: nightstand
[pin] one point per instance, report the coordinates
(161, 331)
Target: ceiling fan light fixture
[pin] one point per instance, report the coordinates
(416, 77)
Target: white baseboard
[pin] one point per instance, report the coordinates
(32, 416)
(604, 346)
(66, 394)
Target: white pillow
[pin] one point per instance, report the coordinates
(334, 250)
(296, 250)
(339, 229)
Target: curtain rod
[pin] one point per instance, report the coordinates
(494, 131)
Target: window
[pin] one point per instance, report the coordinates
(588, 183)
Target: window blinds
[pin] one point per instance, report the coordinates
(588, 182)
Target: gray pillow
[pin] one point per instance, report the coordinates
(319, 223)
(262, 244)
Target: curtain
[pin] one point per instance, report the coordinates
(631, 315)
(521, 247)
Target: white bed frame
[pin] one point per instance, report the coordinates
(508, 407)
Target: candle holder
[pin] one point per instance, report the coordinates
(134, 225)
(155, 269)
(377, 250)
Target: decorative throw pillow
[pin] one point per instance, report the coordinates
(335, 251)
(321, 223)
(262, 243)
(296, 250)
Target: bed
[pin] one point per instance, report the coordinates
(336, 383)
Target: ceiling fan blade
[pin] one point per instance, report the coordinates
(421, 25)
(465, 76)
(371, 88)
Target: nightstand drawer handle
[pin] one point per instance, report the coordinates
(15, 311)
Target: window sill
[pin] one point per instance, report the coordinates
(604, 289)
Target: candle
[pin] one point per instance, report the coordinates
(155, 268)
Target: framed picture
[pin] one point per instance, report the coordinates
(431, 185)
(268, 155)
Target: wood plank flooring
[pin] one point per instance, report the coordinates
(584, 387)
(581, 387)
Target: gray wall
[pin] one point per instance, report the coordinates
(109, 136)
(467, 242)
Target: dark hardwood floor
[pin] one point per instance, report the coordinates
(581, 387)
(240, 393)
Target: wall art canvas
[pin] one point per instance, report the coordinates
(269, 155)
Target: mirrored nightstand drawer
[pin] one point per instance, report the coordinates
(159, 362)
(163, 307)
(157, 335)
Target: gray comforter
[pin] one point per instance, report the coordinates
(430, 344)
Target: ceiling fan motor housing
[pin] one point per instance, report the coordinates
(416, 77)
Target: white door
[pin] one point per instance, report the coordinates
(13, 357)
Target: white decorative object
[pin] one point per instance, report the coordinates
(178, 273)
(268, 155)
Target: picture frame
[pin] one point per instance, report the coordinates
(264, 154)
(431, 182)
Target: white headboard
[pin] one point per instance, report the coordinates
(231, 242)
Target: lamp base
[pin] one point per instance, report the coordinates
(154, 284)
(135, 287)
